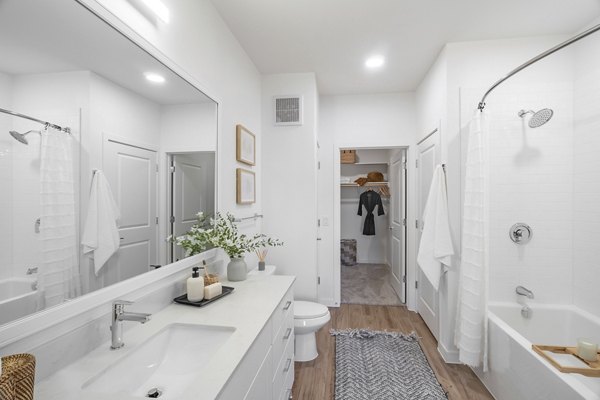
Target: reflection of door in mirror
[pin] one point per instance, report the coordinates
(191, 175)
(132, 174)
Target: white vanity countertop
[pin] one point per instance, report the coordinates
(247, 310)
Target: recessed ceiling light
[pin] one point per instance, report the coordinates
(159, 9)
(155, 78)
(375, 62)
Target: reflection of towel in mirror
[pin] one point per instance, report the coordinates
(436, 249)
(101, 234)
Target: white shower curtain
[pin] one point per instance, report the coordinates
(59, 274)
(471, 323)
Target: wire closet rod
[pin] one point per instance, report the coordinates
(537, 58)
(48, 124)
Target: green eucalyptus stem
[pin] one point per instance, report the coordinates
(222, 232)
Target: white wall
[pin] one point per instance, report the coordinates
(55, 97)
(431, 97)
(289, 186)
(117, 112)
(531, 176)
(354, 121)
(6, 178)
(184, 128)
(471, 68)
(586, 175)
(221, 68)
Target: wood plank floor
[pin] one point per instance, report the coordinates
(314, 380)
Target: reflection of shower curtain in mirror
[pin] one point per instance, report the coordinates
(59, 272)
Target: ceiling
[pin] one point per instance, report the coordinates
(62, 36)
(334, 37)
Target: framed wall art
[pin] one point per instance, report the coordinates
(245, 186)
(245, 145)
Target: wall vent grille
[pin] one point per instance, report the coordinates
(288, 110)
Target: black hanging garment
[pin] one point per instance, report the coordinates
(370, 199)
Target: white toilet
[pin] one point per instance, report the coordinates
(309, 317)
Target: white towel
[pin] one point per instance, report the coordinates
(101, 233)
(436, 249)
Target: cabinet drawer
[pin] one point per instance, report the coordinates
(284, 336)
(261, 386)
(286, 366)
(241, 380)
(285, 306)
(286, 391)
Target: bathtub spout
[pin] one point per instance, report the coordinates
(522, 291)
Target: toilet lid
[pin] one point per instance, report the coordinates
(308, 309)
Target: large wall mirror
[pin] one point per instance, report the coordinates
(119, 120)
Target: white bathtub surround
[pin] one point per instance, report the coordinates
(100, 239)
(59, 272)
(19, 297)
(436, 248)
(517, 372)
(471, 323)
(244, 314)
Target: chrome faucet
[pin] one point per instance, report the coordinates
(118, 316)
(523, 291)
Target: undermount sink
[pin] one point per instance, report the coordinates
(169, 361)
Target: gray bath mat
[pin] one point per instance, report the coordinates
(372, 365)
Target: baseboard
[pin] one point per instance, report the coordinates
(449, 356)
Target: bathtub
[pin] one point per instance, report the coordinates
(516, 372)
(18, 297)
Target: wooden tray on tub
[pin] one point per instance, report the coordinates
(593, 369)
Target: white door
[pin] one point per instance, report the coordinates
(428, 156)
(187, 197)
(398, 223)
(132, 174)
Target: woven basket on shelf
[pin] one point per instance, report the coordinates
(348, 156)
(20, 369)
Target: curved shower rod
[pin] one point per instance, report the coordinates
(537, 58)
(48, 124)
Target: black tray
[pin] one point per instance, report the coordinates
(184, 300)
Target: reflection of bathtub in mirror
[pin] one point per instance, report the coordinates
(19, 297)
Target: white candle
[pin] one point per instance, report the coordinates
(587, 350)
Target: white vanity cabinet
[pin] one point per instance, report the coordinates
(267, 370)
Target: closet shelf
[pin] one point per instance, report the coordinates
(352, 184)
(368, 163)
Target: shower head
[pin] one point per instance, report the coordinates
(538, 118)
(21, 136)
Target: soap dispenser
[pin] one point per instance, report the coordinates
(195, 286)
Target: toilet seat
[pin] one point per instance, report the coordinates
(309, 310)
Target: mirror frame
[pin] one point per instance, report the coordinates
(96, 304)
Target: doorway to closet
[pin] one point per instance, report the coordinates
(372, 218)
